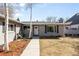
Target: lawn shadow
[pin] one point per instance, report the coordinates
(49, 37)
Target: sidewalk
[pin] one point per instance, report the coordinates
(32, 49)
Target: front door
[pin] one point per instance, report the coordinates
(35, 30)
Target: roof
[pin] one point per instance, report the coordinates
(10, 19)
(45, 23)
(74, 19)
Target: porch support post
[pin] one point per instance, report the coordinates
(54, 28)
(15, 33)
(63, 30)
(22, 30)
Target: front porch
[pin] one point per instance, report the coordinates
(44, 30)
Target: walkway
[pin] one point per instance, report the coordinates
(33, 48)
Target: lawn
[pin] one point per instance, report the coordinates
(16, 47)
(59, 47)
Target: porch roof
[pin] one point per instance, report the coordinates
(10, 19)
(46, 23)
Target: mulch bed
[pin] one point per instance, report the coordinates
(16, 48)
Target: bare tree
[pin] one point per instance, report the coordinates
(61, 20)
(18, 19)
(29, 5)
(10, 9)
(49, 19)
(7, 12)
(6, 46)
(30, 21)
(54, 19)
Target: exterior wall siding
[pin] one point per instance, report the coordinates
(41, 30)
(11, 34)
(1, 34)
(61, 29)
(71, 31)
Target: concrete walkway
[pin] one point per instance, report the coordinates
(33, 48)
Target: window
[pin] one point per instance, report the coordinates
(35, 27)
(49, 29)
(73, 28)
(3, 27)
(67, 28)
(26, 27)
(52, 29)
(11, 28)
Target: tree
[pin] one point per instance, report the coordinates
(7, 12)
(61, 20)
(30, 33)
(18, 19)
(10, 9)
(6, 46)
(29, 5)
(49, 19)
(54, 19)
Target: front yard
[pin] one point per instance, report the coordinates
(16, 47)
(59, 47)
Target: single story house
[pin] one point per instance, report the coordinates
(13, 30)
(73, 28)
(41, 28)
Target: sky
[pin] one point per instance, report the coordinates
(40, 11)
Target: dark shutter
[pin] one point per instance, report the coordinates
(45, 29)
(57, 29)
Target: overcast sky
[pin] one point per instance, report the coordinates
(42, 11)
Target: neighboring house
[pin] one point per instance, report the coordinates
(45, 28)
(73, 29)
(14, 28)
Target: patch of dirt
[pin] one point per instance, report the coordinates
(16, 47)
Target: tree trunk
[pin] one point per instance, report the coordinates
(6, 46)
(30, 33)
